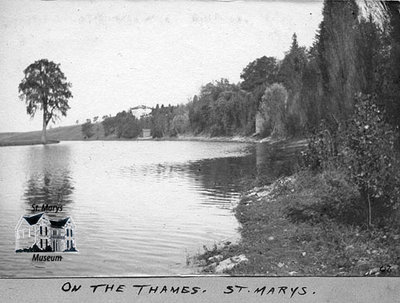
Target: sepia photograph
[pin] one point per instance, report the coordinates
(199, 138)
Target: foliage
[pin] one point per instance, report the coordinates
(161, 121)
(123, 125)
(369, 157)
(338, 57)
(311, 91)
(222, 109)
(127, 125)
(291, 76)
(322, 148)
(364, 149)
(273, 107)
(45, 87)
(180, 123)
(388, 63)
(334, 198)
(109, 125)
(87, 129)
(260, 71)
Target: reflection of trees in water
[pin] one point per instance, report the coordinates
(223, 174)
(50, 179)
(274, 161)
(49, 188)
(266, 163)
(221, 179)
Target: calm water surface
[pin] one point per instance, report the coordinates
(140, 207)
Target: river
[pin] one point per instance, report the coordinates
(139, 207)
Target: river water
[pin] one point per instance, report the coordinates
(140, 207)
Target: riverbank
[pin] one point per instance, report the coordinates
(296, 227)
(54, 135)
(18, 141)
(205, 138)
(74, 133)
(25, 142)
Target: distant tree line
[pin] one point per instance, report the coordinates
(222, 109)
(124, 125)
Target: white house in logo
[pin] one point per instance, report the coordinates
(37, 233)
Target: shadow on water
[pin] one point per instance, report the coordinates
(50, 186)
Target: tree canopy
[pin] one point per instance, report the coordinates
(260, 71)
(45, 87)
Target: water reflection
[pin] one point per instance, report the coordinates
(221, 178)
(274, 161)
(140, 207)
(49, 187)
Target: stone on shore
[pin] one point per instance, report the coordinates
(230, 263)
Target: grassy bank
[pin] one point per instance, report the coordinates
(297, 227)
(53, 135)
(25, 142)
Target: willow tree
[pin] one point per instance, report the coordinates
(45, 87)
(273, 107)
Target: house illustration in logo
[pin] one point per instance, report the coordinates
(37, 233)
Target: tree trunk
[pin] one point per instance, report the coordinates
(44, 139)
(369, 212)
(367, 199)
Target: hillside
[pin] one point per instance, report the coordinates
(55, 134)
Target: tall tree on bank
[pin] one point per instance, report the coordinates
(258, 72)
(338, 58)
(291, 76)
(45, 87)
(273, 107)
(391, 91)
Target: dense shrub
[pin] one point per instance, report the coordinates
(369, 158)
(363, 149)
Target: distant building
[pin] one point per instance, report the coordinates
(141, 110)
(146, 133)
(39, 233)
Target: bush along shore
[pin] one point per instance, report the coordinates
(292, 228)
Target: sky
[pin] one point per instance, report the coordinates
(120, 54)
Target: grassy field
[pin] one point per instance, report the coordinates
(54, 135)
